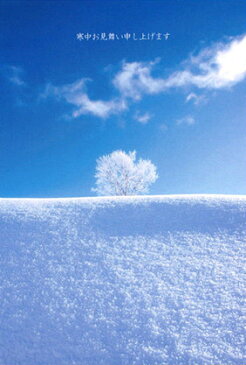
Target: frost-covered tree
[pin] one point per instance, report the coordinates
(120, 174)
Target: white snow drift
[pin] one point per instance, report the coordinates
(123, 281)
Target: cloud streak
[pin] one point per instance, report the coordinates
(76, 95)
(188, 120)
(196, 99)
(143, 118)
(14, 74)
(135, 80)
(218, 67)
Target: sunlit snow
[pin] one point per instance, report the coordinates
(123, 281)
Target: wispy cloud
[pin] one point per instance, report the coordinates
(188, 120)
(220, 66)
(76, 95)
(142, 118)
(18, 89)
(196, 99)
(134, 80)
(15, 75)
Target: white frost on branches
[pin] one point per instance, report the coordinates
(120, 174)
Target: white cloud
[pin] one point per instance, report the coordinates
(143, 118)
(76, 95)
(135, 79)
(14, 74)
(188, 120)
(196, 99)
(220, 66)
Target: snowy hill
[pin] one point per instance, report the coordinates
(123, 281)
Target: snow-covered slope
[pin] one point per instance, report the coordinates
(123, 281)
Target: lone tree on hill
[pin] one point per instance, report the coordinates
(120, 174)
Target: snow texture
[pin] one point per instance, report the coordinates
(123, 281)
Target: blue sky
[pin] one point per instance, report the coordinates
(180, 101)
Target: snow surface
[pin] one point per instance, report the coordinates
(123, 281)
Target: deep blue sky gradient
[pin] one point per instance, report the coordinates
(43, 154)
